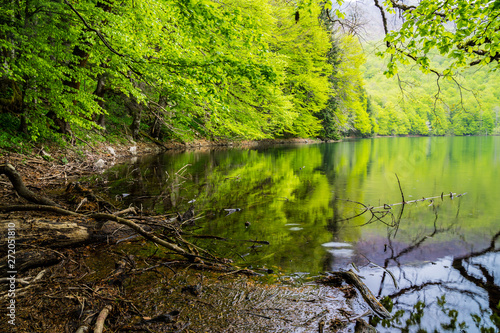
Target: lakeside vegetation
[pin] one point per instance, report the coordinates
(233, 70)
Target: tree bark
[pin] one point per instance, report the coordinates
(135, 110)
(44, 232)
(99, 93)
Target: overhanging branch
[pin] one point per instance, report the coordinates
(97, 32)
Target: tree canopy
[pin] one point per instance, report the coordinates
(468, 32)
(178, 69)
(232, 69)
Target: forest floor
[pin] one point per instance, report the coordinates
(134, 286)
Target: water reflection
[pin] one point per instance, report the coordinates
(430, 290)
(302, 201)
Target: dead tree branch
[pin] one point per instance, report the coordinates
(99, 324)
(353, 279)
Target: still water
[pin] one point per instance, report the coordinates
(310, 203)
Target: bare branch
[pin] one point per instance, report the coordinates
(97, 32)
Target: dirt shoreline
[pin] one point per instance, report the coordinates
(85, 158)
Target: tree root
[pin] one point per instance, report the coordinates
(16, 180)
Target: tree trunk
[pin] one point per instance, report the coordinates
(99, 93)
(136, 111)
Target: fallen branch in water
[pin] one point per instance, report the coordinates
(230, 240)
(380, 212)
(353, 279)
(430, 199)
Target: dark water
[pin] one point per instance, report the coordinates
(308, 201)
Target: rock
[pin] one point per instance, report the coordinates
(99, 164)
(133, 150)
(111, 151)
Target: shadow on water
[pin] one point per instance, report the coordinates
(304, 205)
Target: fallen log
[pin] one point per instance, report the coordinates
(32, 258)
(31, 236)
(44, 232)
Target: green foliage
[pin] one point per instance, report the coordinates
(419, 104)
(199, 68)
(466, 32)
(346, 112)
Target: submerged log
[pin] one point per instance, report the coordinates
(353, 279)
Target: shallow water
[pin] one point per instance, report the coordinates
(308, 201)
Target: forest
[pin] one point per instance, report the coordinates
(243, 70)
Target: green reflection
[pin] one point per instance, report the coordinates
(290, 196)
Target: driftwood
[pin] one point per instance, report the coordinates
(353, 279)
(43, 232)
(16, 180)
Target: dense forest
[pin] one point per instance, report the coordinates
(229, 70)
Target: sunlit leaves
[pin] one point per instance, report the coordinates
(465, 31)
(463, 105)
(236, 68)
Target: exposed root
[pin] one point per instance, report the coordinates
(16, 180)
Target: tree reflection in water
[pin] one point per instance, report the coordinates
(297, 211)
(457, 294)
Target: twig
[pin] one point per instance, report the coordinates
(402, 195)
(125, 211)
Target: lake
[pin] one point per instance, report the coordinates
(324, 207)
